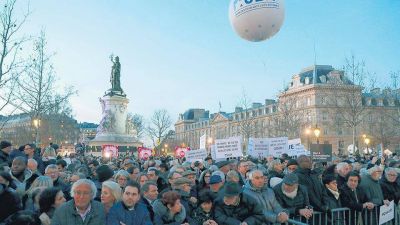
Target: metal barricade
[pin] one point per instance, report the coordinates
(397, 214)
(339, 216)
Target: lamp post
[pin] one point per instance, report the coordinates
(209, 142)
(36, 124)
(317, 132)
(366, 141)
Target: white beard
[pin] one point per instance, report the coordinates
(290, 195)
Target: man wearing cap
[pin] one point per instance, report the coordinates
(236, 208)
(216, 184)
(191, 175)
(224, 166)
(182, 186)
(265, 198)
(5, 149)
(293, 197)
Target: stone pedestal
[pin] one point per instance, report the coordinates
(113, 129)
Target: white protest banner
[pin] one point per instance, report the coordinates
(278, 146)
(386, 213)
(295, 148)
(196, 155)
(258, 147)
(203, 141)
(230, 147)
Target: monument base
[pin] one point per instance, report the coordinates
(115, 139)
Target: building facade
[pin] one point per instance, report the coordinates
(318, 96)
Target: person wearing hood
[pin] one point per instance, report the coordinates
(22, 177)
(390, 188)
(169, 211)
(235, 207)
(293, 196)
(265, 198)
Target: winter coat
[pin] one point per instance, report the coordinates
(391, 190)
(120, 213)
(333, 203)
(199, 216)
(10, 203)
(315, 188)
(340, 181)
(265, 197)
(21, 187)
(65, 188)
(66, 214)
(353, 199)
(162, 215)
(149, 207)
(293, 205)
(372, 189)
(4, 158)
(246, 211)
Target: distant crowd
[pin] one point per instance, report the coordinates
(39, 187)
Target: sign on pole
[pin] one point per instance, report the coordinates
(278, 146)
(386, 213)
(258, 147)
(321, 152)
(196, 155)
(230, 147)
(181, 151)
(203, 141)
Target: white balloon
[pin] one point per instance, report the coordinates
(256, 20)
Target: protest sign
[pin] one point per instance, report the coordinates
(386, 213)
(230, 147)
(144, 153)
(321, 152)
(278, 146)
(181, 151)
(295, 148)
(258, 147)
(110, 151)
(196, 155)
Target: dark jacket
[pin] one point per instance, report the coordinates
(66, 214)
(315, 188)
(340, 181)
(162, 216)
(199, 216)
(293, 205)
(372, 189)
(247, 210)
(334, 218)
(120, 213)
(65, 188)
(4, 158)
(146, 203)
(391, 191)
(10, 203)
(353, 199)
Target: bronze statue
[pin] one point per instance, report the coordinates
(115, 74)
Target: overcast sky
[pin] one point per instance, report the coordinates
(181, 54)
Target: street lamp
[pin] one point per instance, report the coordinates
(317, 132)
(366, 141)
(36, 124)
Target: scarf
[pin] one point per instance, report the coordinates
(292, 194)
(335, 193)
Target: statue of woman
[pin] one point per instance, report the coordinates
(115, 74)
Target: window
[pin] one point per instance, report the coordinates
(325, 131)
(324, 115)
(323, 100)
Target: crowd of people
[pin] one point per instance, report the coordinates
(39, 187)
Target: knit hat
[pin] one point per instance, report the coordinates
(291, 179)
(182, 180)
(4, 144)
(104, 173)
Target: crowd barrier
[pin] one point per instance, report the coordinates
(345, 216)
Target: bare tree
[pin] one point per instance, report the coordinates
(348, 103)
(159, 127)
(288, 119)
(37, 92)
(136, 124)
(11, 64)
(246, 120)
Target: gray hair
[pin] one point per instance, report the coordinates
(33, 161)
(87, 182)
(341, 165)
(273, 163)
(121, 173)
(390, 169)
(51, 166)
(254, 171)
(114, 188)
(374, 169)
(232, 174)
